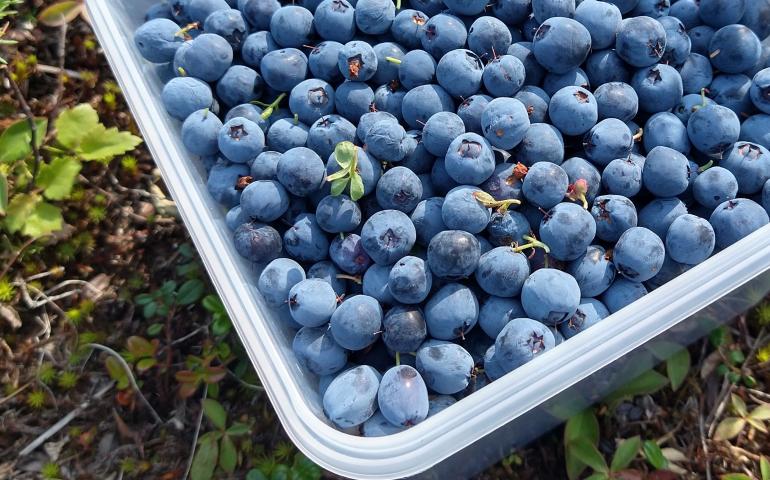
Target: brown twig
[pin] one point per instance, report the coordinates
(30, 117)
(16, 255)
(61, 54)
(195, 435)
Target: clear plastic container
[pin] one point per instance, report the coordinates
(485, 426)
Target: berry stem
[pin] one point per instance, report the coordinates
(352, 278)
(271, 108)
(533, 243)
(393, 60)
(706, 166)
(639, 134)
(398, 358)
(296, 119)
(489, 201)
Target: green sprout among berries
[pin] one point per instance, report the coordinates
(489, 201)
(346, 155)
(533, 243)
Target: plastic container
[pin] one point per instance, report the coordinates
(485, 426)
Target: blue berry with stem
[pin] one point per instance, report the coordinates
(257, 242)
(593, 271)
(550, 296)
(451, 312)
(312, 302)
(277, 279)
(690, 240)
(348, 254)
(614, 214)
(403, 396)
(638, 254)
(735, 219)
(410, 280)
(351, 398)
(357, 322)
(622, 292)
(502, 271)
(590, 312)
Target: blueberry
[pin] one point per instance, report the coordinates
(427, 220)
(502, 272)
(718, 13)
(666, 172)
(760, 90)
(199, 10)
(446, 367)
(353, 99)
(561, 44)
(229, 24)
(605, 66)
(601, 19)
(356, 323)
(317, 351)
(504, 76)
(736, 219)
(417, 68)
(668, 272)
(443, 33)
(337, 214)
(641, 41)
(312, 302)
(256, 242)
(567, 229)
(690, 240)
(335, 20)
(375, 284)
(524, 52)
(750, 164)
(407, 27)
(349, 255)
(713, 129)
(541, 143)
(462, 210)
(696, 73)
(512, 12)
(459, 72)
(235, 217)
(659, 87)
(545, 184)
(700, 37)
(617, 100)
(249, 112)
(385, 140)
(660, 213)
(440, 130)
(666, 130)
(489, 37)
(183, 96)
(264, 200)
(322, 61)
(200, 132)
(286, 134)
(507, 228)
(593, 271)
(573, 110)
(496, 312)
(589, 313)
(576, 77)
(277, 279)
(687, 12)
(301, 171)
(241, 140)
(258, 12)
(715, 186)
(256, 46)
(521, 340)
(734, 49)
(326, 132)
(756, 129)
(614, 214)
(399, 189)
(622, 292)
(374, 17)
(222, 182)
(678, 43)
(638, 254)
(608, 140)
(453, 254)
(387, 236)
(504, 122)
(410, 280)
(311, 99)
(208, 57)
(379, 426)
(283, 69)
(733, 92)
(550, 296)
(351, 398)
(357, 61)
(451, 312)
(439, 404)
(157, 40)
(404, 328)
(578, 168)
(403, 396)
(390, 98)
(305, 241)
(505, 182)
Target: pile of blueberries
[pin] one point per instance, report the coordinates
(435, 195)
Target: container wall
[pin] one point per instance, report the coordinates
(482, 428)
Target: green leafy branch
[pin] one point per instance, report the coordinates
(731, 427)
(217, 447)
(346, 155)
(27, 186)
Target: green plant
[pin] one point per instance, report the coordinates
(217, 447)
(29, 184)
(36, 399)
(200, 371)
(67, 379)
(162, 301)
(220, 324)
(50, 471)
(7, 290)
(731, 427)
(46, 373)
(346, 155)
(731, 358)
(5, 11)
(764, 472)
(284, 463)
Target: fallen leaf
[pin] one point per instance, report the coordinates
(11, 316)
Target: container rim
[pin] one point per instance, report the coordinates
(428, 443)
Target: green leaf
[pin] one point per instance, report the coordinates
(215, 413)
(255, 474)
(728, 428)
(677, 367)
(154, 329)
(337, 175)
(338, 186)
(573, 466)
(190, 292)
(205, 460)
(647, 383)
(735, 476)
(73, 125)
(143, 299)
(764, 468)
(237, 429)
(145, 364)
(356, 187)
(19, 210)
(117, 372)
(140, 347)
(44, 219)
(587, 453)
(213, 304)
(149, 310)
(3, 193)
(654, 455)
(582, 425)
(304, 469)
(221, 325)
(281, 472)
(228, 455)
(345, 153)
(625, 453)
(598, 476)
(15, 142)
(60, 13)
(101, 144)
(58, 177)
(738, 405)
(758, 424)
(762, 412)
